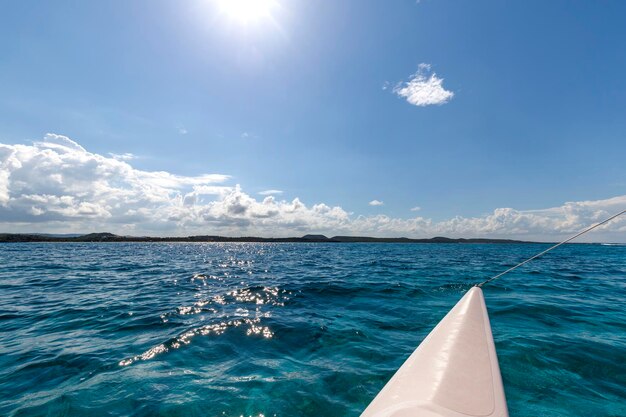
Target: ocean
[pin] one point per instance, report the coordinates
(264, 329)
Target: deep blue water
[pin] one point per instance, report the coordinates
(144, 329)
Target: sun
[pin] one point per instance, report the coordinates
(246, 11)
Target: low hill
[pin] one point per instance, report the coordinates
(110, 237)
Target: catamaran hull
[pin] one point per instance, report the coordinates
(454, 372)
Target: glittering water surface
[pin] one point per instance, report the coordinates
(295, 329)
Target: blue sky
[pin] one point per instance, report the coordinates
(527, 113)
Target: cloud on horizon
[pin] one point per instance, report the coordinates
(376, 203)
(424, 88)
(55, 186)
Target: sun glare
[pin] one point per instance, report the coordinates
(246, 11)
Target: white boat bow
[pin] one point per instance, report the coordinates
(454, 372)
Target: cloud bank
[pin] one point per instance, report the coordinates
(424, 88)
(57, 186)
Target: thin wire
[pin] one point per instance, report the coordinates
(550, 248)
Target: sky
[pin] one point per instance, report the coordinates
(287, 117)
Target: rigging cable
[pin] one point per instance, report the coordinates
(550, 248)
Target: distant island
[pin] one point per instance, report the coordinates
(110, 237)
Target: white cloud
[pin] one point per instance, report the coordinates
(376, 203)
(270, 192)
(55, 185)
(249, 135)
(424, 88)
(212, 190)
(60, 143)
(416, 208)
(182, 131)
(127, 156)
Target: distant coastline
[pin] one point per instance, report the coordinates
(109, 237)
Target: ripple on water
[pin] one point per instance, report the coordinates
(228, 303)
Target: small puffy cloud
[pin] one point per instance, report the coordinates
(182, 131)
(270, 192)
(416, 208)
(424, 88)
(376, 203)
(249, 135)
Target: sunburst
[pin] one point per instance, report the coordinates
(246, 11)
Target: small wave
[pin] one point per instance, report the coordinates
(206, 277)
(254, 328)
(248, 304)
(256, 295)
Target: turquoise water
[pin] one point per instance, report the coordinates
(145, 329)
